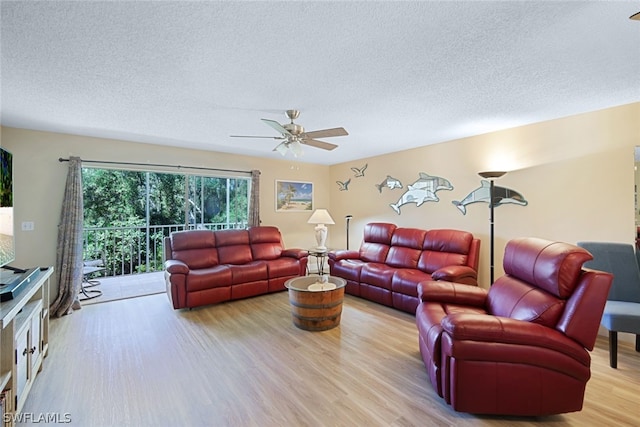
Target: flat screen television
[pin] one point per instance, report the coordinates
(7, 243)
(12, 279)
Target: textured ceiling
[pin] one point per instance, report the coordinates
(396, 75)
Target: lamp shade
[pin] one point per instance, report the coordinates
(321, 216)
(491, 174)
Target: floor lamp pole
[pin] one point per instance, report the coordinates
(491, 176)
(491, 229)
(348, 218)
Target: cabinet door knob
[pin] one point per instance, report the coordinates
(25, 351)
(33, 349)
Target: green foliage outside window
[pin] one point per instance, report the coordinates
(128, 213)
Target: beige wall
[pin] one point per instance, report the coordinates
(577, 173)
(39, 180)
(636, 195)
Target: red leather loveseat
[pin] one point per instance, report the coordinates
(521, 347)
(392, 261)
(206, 267)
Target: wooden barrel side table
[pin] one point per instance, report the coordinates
(316, 306)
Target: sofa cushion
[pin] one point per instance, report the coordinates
(266, 242)
(196, 248)
(431, 261)
(405, 281)
(406, 247)
(511, 297)
(443, 248)
(348, 269)
(233, 247)
(192, 239)
(552, 266)
(250, 272)
(377, 274)
(206, 278)
(376, 243)
(282, 267)
(447, 240)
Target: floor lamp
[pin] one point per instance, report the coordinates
(491, 176)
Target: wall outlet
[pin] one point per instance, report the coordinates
(28, 226)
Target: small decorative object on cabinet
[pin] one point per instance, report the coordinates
(24, 340)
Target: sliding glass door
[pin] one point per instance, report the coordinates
(128, 213)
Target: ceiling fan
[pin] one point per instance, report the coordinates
(293, 135)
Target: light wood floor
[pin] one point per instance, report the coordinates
(137, 362)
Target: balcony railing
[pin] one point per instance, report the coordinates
(131, 250)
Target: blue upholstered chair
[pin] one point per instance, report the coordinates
(622, 311)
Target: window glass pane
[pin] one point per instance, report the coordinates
(166, 199)
(115, 216)
(239, 202)
(215, 202)
(113, 197)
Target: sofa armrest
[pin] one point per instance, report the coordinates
(504, 330)
(344, 254)
(457, 274)
(295, 253)
(452, 293)
(173, 266)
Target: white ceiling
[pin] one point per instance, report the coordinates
(396, 75)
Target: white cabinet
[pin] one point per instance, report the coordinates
(28, 345)
(24, 341)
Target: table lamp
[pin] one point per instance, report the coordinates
(321, 217)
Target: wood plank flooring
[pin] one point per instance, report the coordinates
(137, 362)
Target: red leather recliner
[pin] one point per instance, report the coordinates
(521, 347)
(393, 260)
(207, 267)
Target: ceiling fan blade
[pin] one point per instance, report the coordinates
(326, 133)
(254, 136)
(282, 148)
(318, 144)
(277, 126)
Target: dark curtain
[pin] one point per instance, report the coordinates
(69, 249)
(254, 202)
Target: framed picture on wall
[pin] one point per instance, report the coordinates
(294, 196)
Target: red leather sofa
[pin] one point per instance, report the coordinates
(206, 267)
(392, 261)
(521, 347)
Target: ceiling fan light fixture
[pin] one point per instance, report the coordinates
(296, 148)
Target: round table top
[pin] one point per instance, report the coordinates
(314, 283)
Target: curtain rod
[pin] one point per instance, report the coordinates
(60, 159)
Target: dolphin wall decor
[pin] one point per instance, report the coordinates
(389, 182)
(501, 196)
(422, 190)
